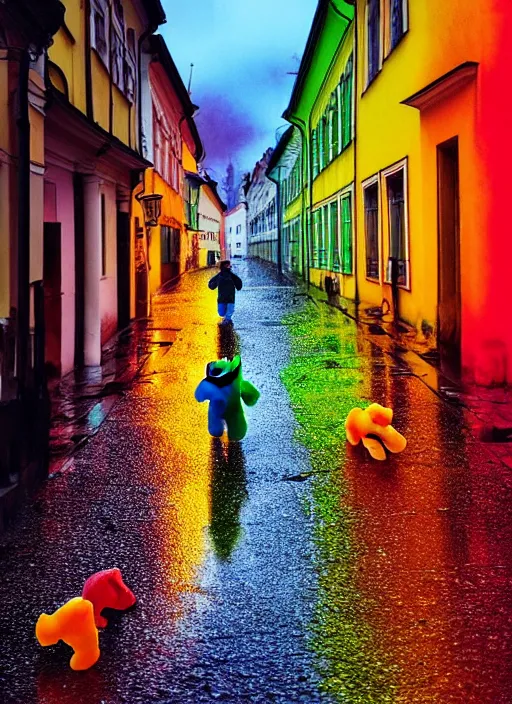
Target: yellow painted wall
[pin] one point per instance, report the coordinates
(121, 116)
(203, 258)
(71, 57)
(172, 215)
(293, 209)
(36, 136)
(100, 92)
(441, 36)
(339, 174)
(188, 161)
(129, 112)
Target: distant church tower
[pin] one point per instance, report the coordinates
(229, 187)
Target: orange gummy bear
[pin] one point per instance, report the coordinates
(373, 428)
(74, 624)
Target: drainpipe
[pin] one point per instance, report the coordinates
(279, 220)
(301, 126)
(110, 71)
(356, 189)
(23, 315)
(149, 31)
(88, 67)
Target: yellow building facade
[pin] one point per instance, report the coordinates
(172, 144)
(424, 168)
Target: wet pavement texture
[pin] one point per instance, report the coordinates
(284, 568)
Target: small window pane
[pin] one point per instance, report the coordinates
(371, 211)
(346, 224)
(316, 239)
(397, 229)
(315, 152)
(334, 257)
(373, 38)
(324, 230)
(397, 21)
(164, 245)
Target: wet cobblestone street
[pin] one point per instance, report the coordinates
(284, 568)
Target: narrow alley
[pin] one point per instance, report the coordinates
(284, 568)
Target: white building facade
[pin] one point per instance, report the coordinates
(236, 231)
(262, 229)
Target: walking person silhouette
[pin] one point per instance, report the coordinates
(227, 284)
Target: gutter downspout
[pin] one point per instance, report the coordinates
(149, 31)
(23, 315)
(301, 126)
(88, 68)
(356, 189)
(110, 71)
(279, 221)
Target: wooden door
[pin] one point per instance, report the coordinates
(52, 286)
(123, 270)
(449, 288)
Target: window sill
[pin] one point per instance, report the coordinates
(393, 49)
(371, 82)
(390, 52)
(101, 59)
(372, 280)
(324, 168)
(123, 95)
(402, 287)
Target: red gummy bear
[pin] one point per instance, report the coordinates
(106, 590)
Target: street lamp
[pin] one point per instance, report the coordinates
(152, 207)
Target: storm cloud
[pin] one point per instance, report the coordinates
(245, 56)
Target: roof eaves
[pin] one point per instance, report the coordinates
(158, 47)
(279, 150)
(314, 34)
(155, 11)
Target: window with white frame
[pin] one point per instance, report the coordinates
(334, 130)
(371, 226)
(118, 50)
(398, 21)
(333, 258)
(347, 237)
(398, 227)
(324, 232)
(373, 39)
(167, 147)
(315, 240)
(130, 65)
(99, 29)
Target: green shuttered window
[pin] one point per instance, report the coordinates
(333, 132)
(332, 245)
(346, 234)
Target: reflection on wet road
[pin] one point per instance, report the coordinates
(357, 582)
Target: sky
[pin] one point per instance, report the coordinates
(242, 51)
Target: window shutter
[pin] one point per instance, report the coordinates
(315, 152)
(346, 218)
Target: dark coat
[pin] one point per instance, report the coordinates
(226, 282)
